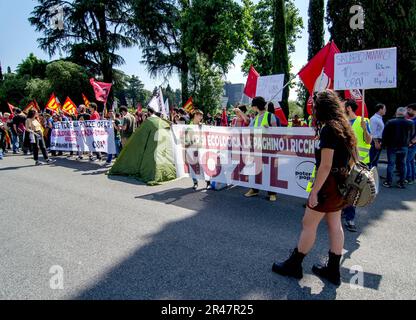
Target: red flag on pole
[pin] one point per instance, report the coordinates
(318, 74)
(224, 118)
(11, 108)
(251, 85)
(278, 112)
(69, 107)
(101, 90)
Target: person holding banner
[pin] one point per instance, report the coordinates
(95, 116)
(362, 131)
(264, 119)
(35, 131)
(338, 146)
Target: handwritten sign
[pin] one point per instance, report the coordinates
(371, 69)
(269, 86)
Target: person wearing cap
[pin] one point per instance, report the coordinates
(397, 136)
(264, 119)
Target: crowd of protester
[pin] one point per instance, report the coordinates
(341, 132)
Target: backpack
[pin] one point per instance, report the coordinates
(361, 186)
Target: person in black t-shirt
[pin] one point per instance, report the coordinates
(18, 130)
(338, 145)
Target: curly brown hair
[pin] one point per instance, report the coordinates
(329, 111)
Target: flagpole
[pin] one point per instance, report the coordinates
(362, 105)
(284, 87)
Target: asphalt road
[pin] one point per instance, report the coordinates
(115, 238)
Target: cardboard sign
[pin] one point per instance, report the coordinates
(371, 69)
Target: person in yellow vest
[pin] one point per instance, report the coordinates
(361, 128)
(264, 119)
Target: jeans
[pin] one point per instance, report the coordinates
(15, 142)
(410, 164)
(349, 213)
(374, 156)
(399, 154)
(118, 148)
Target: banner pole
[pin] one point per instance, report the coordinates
(284, 87)
(362, 105)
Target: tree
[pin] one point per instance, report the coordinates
(32, 67)
(316, 33)
(68, 79)
(135, 90)
(173, 33)
(1, 74)
(280, 57)
(13, 89)
(385, 24)
(93, 31)
(40, 90)
(9, 70)
(207, 85)
(259, 53)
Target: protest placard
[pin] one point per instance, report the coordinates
(371, 69)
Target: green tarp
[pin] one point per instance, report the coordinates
(148, 155)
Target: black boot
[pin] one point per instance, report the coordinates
(331, 271)
(292, 267)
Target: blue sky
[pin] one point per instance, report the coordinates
(18, 40)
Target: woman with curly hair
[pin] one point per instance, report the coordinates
(337, 148)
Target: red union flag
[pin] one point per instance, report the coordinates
(318, 74)
(251, 87)
(101, 90)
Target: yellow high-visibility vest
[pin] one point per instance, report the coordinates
(363, 147)
(264, 122)
(312, 181)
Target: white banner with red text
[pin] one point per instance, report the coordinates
(279, 160)
(84, 136)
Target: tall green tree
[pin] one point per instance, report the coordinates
(1, 74)
(32, 67)
(280, 56)
(259, 53)
(92, 33)
(68, 79)
(387, 24)
(173, 33)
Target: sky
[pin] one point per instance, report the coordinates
(18, 40)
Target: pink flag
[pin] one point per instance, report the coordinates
(101, 89)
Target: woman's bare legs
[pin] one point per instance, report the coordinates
(335, 232)
(311, 222)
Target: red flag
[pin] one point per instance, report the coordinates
(86, 101)
(32, 105)
(69, 107)
(357, 96)
(53, 104)
(318, 74)
(11, 107)
(139, 108)
(189, 106)
(101, 89)
(224, 118)
(251, 86)
(278, 112)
